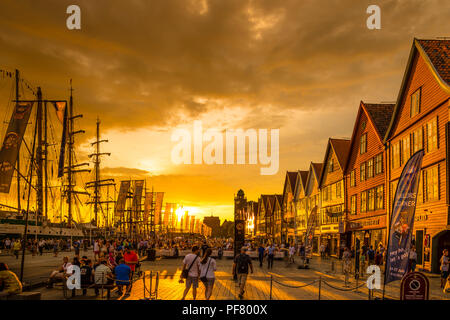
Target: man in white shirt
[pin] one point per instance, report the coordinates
(191, 262)
(291, 253)
(60, 273)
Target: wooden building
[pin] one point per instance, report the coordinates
(312, 194)
(365, 177)
(288, 205)
(300, 207)
(332, 191)
(421, 121)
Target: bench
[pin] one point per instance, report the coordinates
(29, 295)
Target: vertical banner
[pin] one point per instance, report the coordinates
(158, 207)
(137, 197)
(402, 219)
(167, 214)
(61, 113)
(310, 227)
(122, 198)
(11, 144)
(147, 206)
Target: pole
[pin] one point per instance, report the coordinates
(97, 174)
(40, 198)
(45, 163)
(69, 169)
(25, 233)
(18, 153)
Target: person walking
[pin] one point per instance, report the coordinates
(240, 268)
(371, 256)
(207, 268)
(347, 259)
(191, 272)
(16, 248)
(444, 267)
(270, 255)
(291, 253)
(412, 259)
(261, 252)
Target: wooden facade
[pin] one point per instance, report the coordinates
(288, 206)
(420, 121)
(312, 193)
(365, 177)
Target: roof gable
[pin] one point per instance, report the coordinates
(436, 54)
(341, 148)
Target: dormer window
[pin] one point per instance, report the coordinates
(330, 166)
(415, 103)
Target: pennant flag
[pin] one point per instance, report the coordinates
(402, 219)
(158, 207)
(122, 198)
(11, 144)
(61, 108)
(137, 197)
(147, 205)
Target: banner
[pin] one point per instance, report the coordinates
(402, 219)
(11, 144)
(185, 221)
(310, 227)
(147, 206)
(192, 225)
(61, 113)
(137, 197)
(158, 207)
(122, 198)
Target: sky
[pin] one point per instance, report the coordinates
(146, 68)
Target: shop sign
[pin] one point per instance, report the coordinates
(368, 223)
(414, 286)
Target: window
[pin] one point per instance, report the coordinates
(395, 151)
(338, 190)
(379, 164)
(379, 197)
(417, 137)
(420, 191)
(363, 202)
(431, 184)
(370, 168)
(432, 135)
(371, 200)
(353, 204)
(330, 166)
(415, 103)
(406, 148)
(363, 144)
(353, 178)
(362, 172)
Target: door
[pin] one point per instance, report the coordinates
(419, 246)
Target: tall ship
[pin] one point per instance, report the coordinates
(39, 169)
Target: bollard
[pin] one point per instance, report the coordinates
(271, 283)
(320, 285)
(143, 281)
(156, 285)
(151, 283)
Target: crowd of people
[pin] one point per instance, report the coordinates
(114, 262)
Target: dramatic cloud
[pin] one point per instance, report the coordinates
(145, 67)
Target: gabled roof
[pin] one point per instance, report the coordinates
(279, 200)
(291, 178)
(314, 172)
(436, 54)
(341, 148)
(379, 115)
(302, 178)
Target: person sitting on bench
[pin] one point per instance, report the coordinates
(59, 274)
(9, 283)
(103, 277)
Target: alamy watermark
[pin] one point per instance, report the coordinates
(251, 142)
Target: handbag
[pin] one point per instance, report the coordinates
(185, 272)
(204, 279)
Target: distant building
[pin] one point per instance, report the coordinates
(214, 224)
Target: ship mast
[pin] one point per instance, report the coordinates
(70, 169)
(18, 153)
(98, 183)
